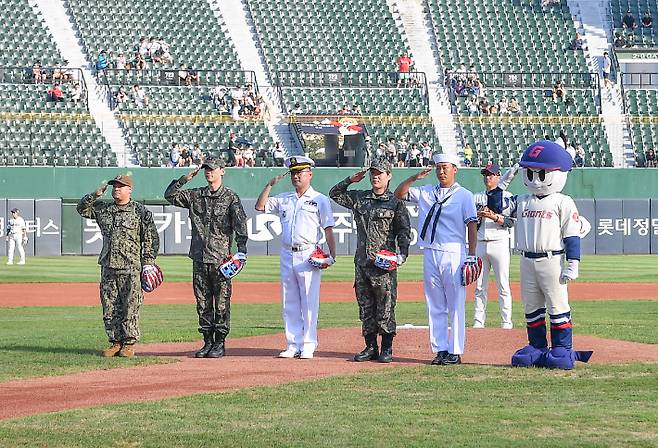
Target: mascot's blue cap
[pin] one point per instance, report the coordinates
(547, 155)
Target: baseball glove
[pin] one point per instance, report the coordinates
(233, 265)
(387, 260)
(471, 269)
(151, 277)
(320, 259)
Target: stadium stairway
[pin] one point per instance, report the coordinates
(413, 22)
(242, 32)
(65, 36)
(594, 26)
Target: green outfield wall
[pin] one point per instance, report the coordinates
(71, 183)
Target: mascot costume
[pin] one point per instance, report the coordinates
(548, 233)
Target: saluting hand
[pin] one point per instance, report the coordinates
(276, 179)
(100, 190)
(189, 176)
(358, 176)
(422, 174)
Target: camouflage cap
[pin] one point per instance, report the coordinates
(380, 164)
(213, 163)
(122, 179)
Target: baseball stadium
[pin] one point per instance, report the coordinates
(237, 194)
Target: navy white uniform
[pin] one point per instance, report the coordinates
(17, 235)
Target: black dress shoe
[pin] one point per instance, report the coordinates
(440, 356)
(451, 359)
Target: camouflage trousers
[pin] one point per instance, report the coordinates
(376, 294)
(121, 298)
(213, 298)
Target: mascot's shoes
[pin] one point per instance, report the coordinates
(127, 351)
(440, 356)
(111, 351)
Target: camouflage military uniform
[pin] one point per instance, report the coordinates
(130, 241)
(216, 217)
(380, 221)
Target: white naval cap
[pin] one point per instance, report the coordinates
(446, 158)
(298, 163)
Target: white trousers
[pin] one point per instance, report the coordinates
(446, 300)
(541, 287)
(15, 241)
(300, 297)
(494, 254)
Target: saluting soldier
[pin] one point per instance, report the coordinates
(130, 245)
(218, 219)
(383, 224)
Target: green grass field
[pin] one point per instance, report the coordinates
(594, 405)
(599, 268)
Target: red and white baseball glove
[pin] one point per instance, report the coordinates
(387, 260)
(320, 259)
(471, 269)
(151, 277)
(233, 265)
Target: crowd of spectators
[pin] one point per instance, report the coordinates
(402, 152)
(137, 97)
(148, 49)
(239, 101)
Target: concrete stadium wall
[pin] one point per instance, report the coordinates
(72, 183)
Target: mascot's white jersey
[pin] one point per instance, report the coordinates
(542, 223)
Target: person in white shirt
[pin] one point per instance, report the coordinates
(17, 236)
(446, 215)
(304, 214)
(493, 248)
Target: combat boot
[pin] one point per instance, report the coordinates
(207, 345)
(112, 351)
(371, 352)
(386, 354)
(127, 351)
(217, 349)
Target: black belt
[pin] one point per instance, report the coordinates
(542, 254)
(300, 248)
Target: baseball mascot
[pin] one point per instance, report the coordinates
(548, 232)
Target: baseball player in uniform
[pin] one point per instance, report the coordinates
(130, 244)
(548, 233)
(304, 213)
(446, 215)
(17, 236)
(217, 218)
(494, 222)
(382, 223)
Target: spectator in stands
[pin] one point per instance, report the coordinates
(219, 98)
(426, 153)
(392, 151)
(559, 91)
(193, 75)
(356, 110)
(545, 3)
(67, 72)
(404, 63)
(174, 155)
(38, 74)
(630, 40)
(120, 96)
(460, 88)
(297, 109)
(162, 55)
(55, 93)
(237, 94)
(471, 75)
(607, 67)
(140, 62)
(101, 61)
(578, 43)
(503, 106)
(414, 156)
(514, 107)
(121, 61)
(76, 93)
(183, 76)
(111, 60)
(620, 40)
(185, 156)
(139, 97)
(249, 105)
(647, 21)
(484, 106)
(450, 78)
(235, 111)
(232, 148)
(144, 46)
(628, 21)
(197, 155)
(579, 158)
(403, 147)
(57, 73)
(468, 155)
(477, 88)
(248, 156)
(493, 109)
(650, 158)
(460, 73)
(345, 110)
(471, 106)
(278, 154)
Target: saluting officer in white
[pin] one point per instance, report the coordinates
(446, 214)
(493, 206)
(303, 214)
(17, 236)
